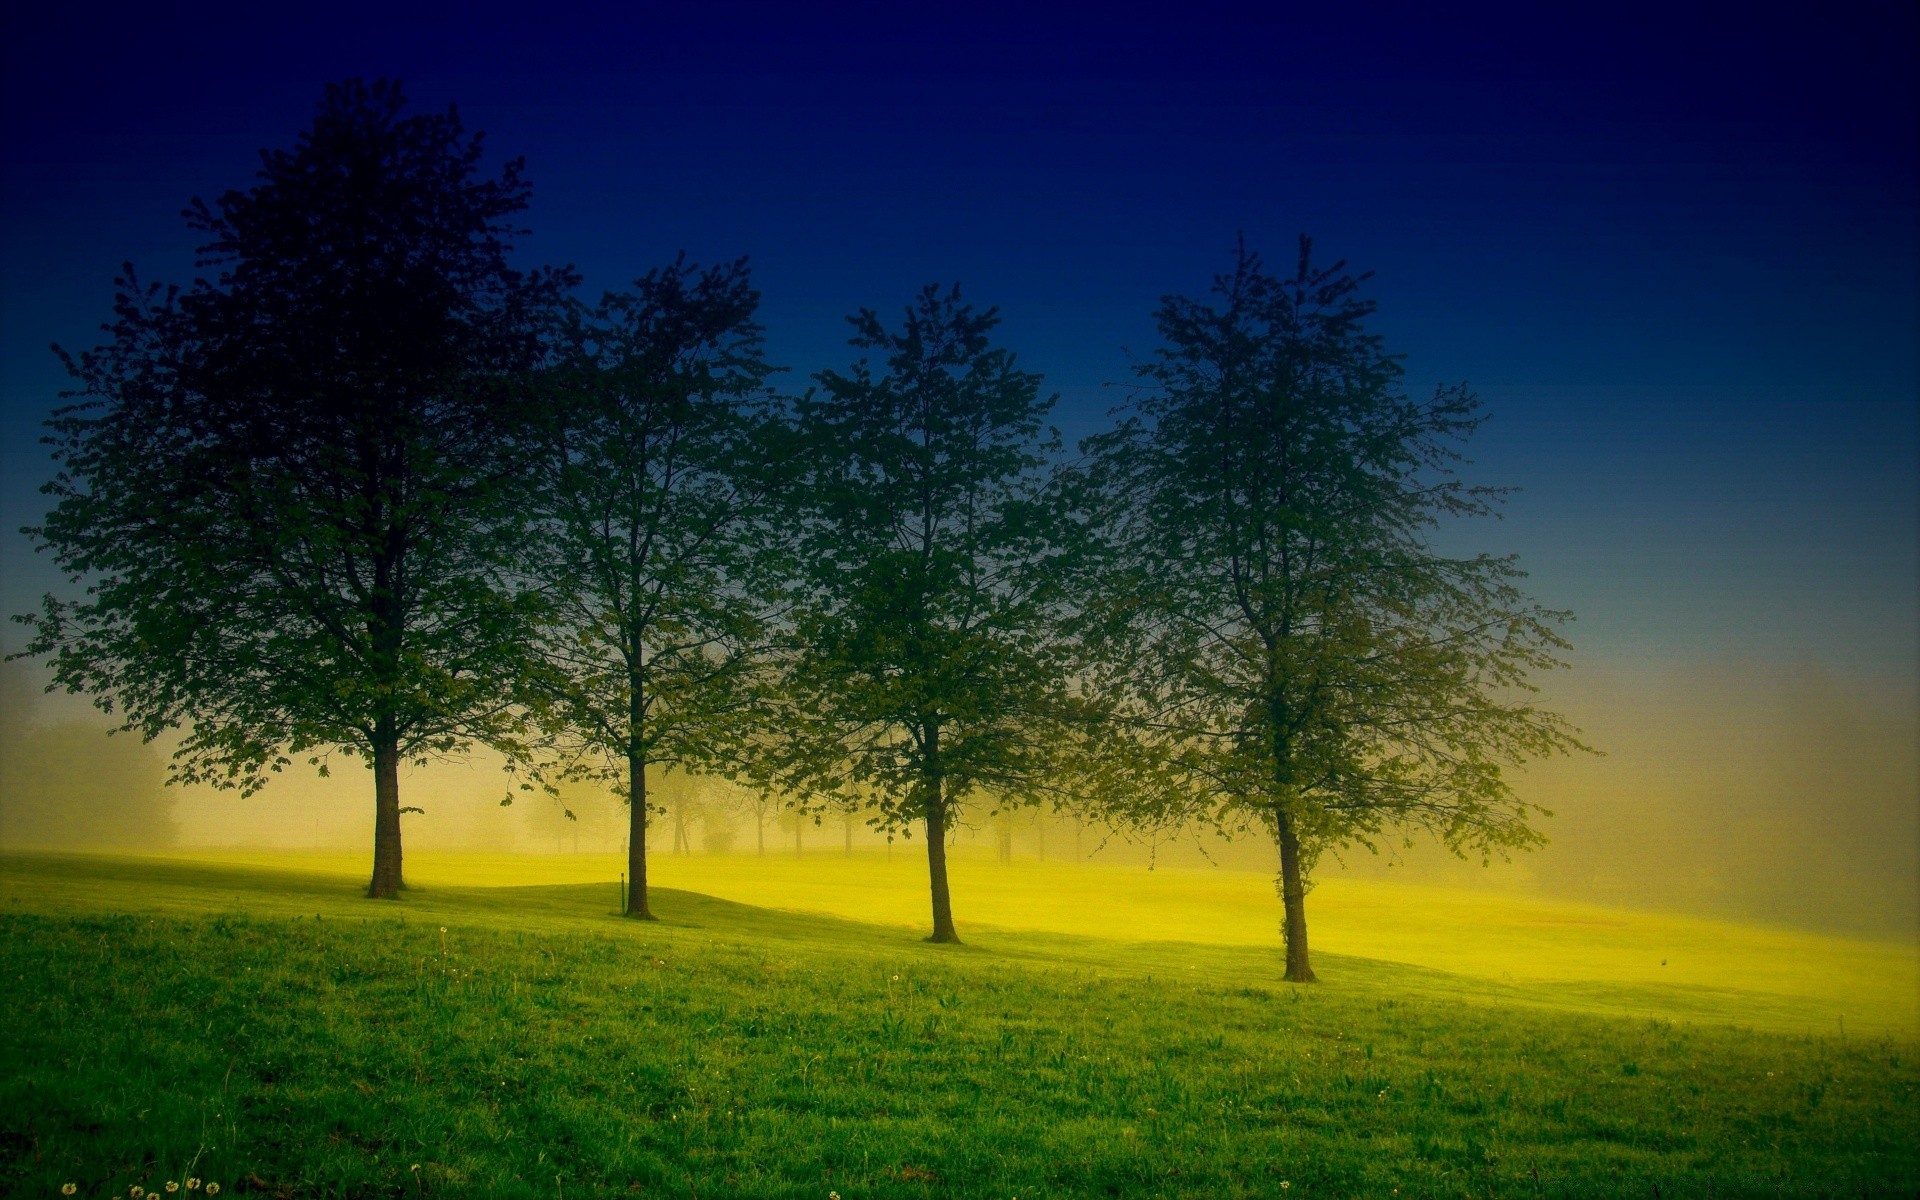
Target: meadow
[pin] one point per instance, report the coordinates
(247, 1020)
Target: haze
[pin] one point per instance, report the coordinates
(1730, 790)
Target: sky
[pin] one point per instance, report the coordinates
(1675, 249)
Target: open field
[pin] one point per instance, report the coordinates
(1489, 946)
(782, 1032)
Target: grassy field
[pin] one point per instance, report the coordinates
(783, 1033)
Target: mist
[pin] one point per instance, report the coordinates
(64, 783)
(1781, 794)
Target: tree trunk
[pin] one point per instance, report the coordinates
(637, 833)
(760, 829)
(849, 821)
(386, 882)
(936, 816)
(798, 829)
(387, 631)
(1293, 898)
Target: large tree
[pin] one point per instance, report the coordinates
(1288, 647)
(929, 670)
(290, 491)
(664, 459)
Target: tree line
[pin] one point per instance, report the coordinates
(369, 491)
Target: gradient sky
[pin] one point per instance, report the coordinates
(1673, 249)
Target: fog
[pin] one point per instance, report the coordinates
(1782, 794)
(1779, 794)
(64, 782)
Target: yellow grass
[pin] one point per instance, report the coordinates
(1533, 950)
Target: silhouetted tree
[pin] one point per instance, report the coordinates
(663, 466)
(292, 490)
(928, 663)
(1288, 648)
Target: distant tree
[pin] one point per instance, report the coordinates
(928, 667)
(686, 801)
(684, 813)
(662, 470)
(763, 804)
(718, 830)
(291, 492)
(797, 820)
(1287, 646)
(575, 811)
(1003, 826)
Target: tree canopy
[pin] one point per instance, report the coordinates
(1286, 646)
(663, 462)
(928, 669)
(291, 490)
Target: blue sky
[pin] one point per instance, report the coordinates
(1675, 250)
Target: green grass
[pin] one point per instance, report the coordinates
(266, 1029)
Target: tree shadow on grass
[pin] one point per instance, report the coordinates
(88, 885)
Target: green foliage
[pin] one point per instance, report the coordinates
(1285, 645)
(539, 1047)
(935, 566)
(663, 466)
(929, 667)
(289, 490)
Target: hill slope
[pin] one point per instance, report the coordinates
(266, 1029)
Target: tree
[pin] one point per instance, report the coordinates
(291, 492)
(663, 465)
(797, 819)
(1286, 645)
(574, 812)
(928, 669)
(762, 804)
